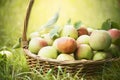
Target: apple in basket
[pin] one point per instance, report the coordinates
(36, 44)
(65, 45)
(100, 40)
(115, 34)
(82, 31)
(34, 34)
(99, 55)
(84, 51)
(83, 39)
(69, 31)
(64, 56)
(48, 52)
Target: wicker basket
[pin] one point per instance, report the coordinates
(88, 67)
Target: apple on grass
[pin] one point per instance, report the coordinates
(100, 40)
(63, 57)
(48, 52)
(6, 52)
(83, 39)
(84, 51)
(36, 44)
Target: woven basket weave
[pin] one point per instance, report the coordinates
(88, 67)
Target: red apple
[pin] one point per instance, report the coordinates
(65, 45)
(84, 51)
(36, 44)
(115, 35)
(82, 31)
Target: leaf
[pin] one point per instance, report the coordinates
(106, 25)
(77, 24)
(55, 32)
(115, 25)
(47, 27)
(69, 21)
(18, 44)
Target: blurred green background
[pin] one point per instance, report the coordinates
(91, 12)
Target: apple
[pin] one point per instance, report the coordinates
(36, 44)
(6, 52)
(114, 50)
(115, 35)
(48, 39)
(69, 31)
(100, 40)
(65, 45)
(84, 51)
(90, 30)
(83, 39)
(82, 31)
(48, 52)
(63, 57)
(99, 55)
(34, 34)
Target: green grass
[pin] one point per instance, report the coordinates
(16, 68)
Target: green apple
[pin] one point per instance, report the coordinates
(48, 52)
(100, 55)
(84, 51)
(83, 39)
(6, 52)
(36, 44)
(63, 57)
(65, 45)
(34, 34)
(69, 31)
(48, 39)
(100, 40)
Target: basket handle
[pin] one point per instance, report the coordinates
(24, 35)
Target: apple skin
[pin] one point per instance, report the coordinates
(48, 52)
(90, 30)
(100, 55)
(100, 40)
(36, 44)
(63, 57)
(115, 35)
(48, 39)
(69, 31)
(83, 39)
(84, 51)
(34, 34)
(65, 45)
(114, 50)
(82, 31)
(6, 52)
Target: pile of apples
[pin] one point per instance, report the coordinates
(77, 44)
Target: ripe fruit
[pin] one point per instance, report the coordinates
(90, 30)
(82, 31)
(7, 53)
(48, 52)
(83, 52)
(65, 44)
(114, 50)
(69, 31)
(34, 34)
(63, 57)
(83, 39)
(100, 40)
(115, 35)
(100, 56)
(48, 39)
(36, 44)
